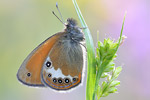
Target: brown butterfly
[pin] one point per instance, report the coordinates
(57, 62)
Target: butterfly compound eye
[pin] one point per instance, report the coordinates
(48, 64)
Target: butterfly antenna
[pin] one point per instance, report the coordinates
(58, 17)
(59, 12)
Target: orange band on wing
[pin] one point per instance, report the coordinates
(61, 86)
(36, 61)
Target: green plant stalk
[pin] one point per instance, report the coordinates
(99, 74)
(100, 69)
(92, 78)
(91, 68)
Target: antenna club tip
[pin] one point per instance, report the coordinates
(56, 4)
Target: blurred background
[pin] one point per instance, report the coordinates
(24, 24)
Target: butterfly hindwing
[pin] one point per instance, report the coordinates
(30, 70)
(62, 69)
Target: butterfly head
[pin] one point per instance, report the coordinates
(74, 32)
(71, 22)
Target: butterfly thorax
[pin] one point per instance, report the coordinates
(73, 31)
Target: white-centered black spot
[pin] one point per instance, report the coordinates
(28, 74)
(60, 80)
(48, 63)
(67, 80)
(74, 79)
(49, 75)
(54, 80)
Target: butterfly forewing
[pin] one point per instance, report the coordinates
(30, 70)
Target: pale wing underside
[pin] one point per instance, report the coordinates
(65, 71)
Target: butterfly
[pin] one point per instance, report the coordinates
(57, 62)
